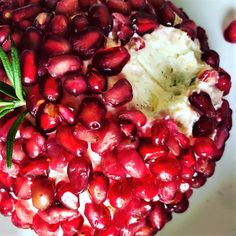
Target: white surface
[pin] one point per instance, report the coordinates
(212, 210)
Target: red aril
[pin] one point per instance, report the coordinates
(59, 25)
(67, 7)
(4, 32)
(230, 32)
(224, 82)
(79, 23)
(32, 38)
(42, 20)
(160, 133)
(6, 203)
(211, 57)
(120, 6)
(137, 5)
(72, 226)
(67, 114)
(97, 83)
(203, 127)
(22, 187)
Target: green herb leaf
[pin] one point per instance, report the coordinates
(11, 137)
(7, 66)
(5, 110)
(16, 72)
(7, 90)
(4, 103)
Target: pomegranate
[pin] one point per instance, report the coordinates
(111, 113)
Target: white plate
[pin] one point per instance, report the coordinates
(212, 208)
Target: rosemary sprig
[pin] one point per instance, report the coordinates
(15, 94)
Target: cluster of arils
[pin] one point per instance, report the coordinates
(145, 170)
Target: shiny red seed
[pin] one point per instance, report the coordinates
(92, 113)
(72, 226)
(188, 158)
(59, 25)
(222, 134)
(42, 20)
(230, 32)
(4, 32)
(32, 38)
(110, 61)
(144, 23)
(67, 114)
(22, 187)
(6, 181)
(120, 6)
(110, 231)
(60, 65)
(212, 58)
(42, 193)
(75, 84)
(137, 5)
(29, 67)
(166, 169)
(87, 42)
(160, 133)
(203, 39)
(132, 163)
(128, 143)
(224, 82)
(98, 187)
(65, 138)
(198, 180)
(167, 191)
(54, 46)
(119, 94)
(6, 203)
(99, 16)
(97, 83)
(79, 23)
(165, 14)
(67, 7)
(203, 127)
(189, 27)
(86, 4)
(79, 170)
(51, 88)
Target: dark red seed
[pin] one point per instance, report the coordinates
(125, 34)
(221, 136)
(203, 127)
(188, 158)
(87, 42)
(201, 102)
(6, 203)
(230, 32)
(119, 94)
(51, 89)
(79, 170)
(137, 5)
(60, 65)
(66, 139)
(144, 23)
(198, 180)
(59, 25)
(29, 67)
(167, 191)
(189, 27)
(67, 114)
(99, 16)
(4, 32)
(79, 23)
(120, 6)
(54, 46)
(97, 83)
(86, 4)
(16, 37)
(160, 133)
(72, 226)
(165, 14)
(92, 113)
(110, 231)
(32, 38)
(75, 84)
(224, 82)
(134, 116)
(203, 39)
(42, 20)
(22, 187)
(67, 7)
(98, 215)
(47, 118)
(212, 58)
(25, 12)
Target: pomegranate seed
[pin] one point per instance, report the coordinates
(29, 67)
(182, 206)
(67, 114)
(99, 16)
(212, 58)
(132, 163)
(79, 173)
(129, 129)
(22, 187)
(201, 102)
(98, 187)
(6, 181)
(158, 217)
(166, 169)
(134, 116)
(221, 136)
(224, 116)
(144, 23)
(92, 113)
(67, 7)
(42, 193)
(98, 215)
(55, 46)
(32, 38)
(60, 65)
(4, 32)
(42, 20)
(165, 14)
(97, 83)
(88, 42)
(203, 39)
(86, 4)
(75, 84)
(167, 191)
(79, 23)
(119, 94)
(128, 143)
(65, 138)
(137, 5)
(6, 203)
(189, 27)
(25, 12)
(224, 82)
(208, 75)
(35, 168)
(108, 138)
(125, 34)
(173, 145)
(110, 231)
(230, 32)
(119, 6)
(16, 37)
(48, 117)
(34, 146)
(59, 25)
(210, 169)
(111, 61)
(187, 173)
(205, 147)
(198, 181)
(160, 133)
(66, 195)
(43, 228)
(203, 127)
(188, 158)
(72, 226)
(51, 89)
